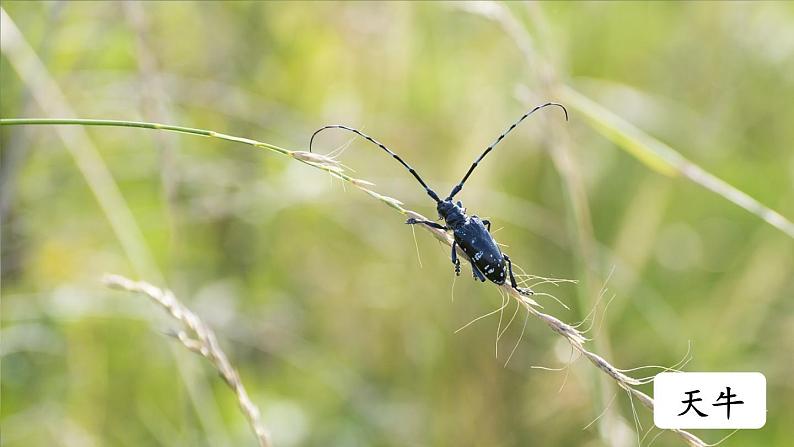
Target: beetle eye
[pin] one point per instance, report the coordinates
(460, 204)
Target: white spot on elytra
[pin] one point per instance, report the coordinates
(478, 256)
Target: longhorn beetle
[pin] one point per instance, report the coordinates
(471, 233)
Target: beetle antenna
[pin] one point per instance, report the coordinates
(429, 191)
(501, 137)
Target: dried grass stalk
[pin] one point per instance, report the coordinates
(199, 338)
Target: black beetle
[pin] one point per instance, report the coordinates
(471, 233)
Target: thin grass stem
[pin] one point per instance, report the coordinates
(574, 337)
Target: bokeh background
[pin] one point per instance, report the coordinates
(315, 290)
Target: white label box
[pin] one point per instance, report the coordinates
(691, 400)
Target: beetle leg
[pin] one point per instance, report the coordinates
(431, 224)
(455, 259)
(487, 224)
(477, 273)
(513, 284)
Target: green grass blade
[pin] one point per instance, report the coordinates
(666, 160)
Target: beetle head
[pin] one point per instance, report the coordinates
(452, 213)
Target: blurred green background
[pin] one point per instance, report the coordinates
(315, 289)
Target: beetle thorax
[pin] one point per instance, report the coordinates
(453, 214)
